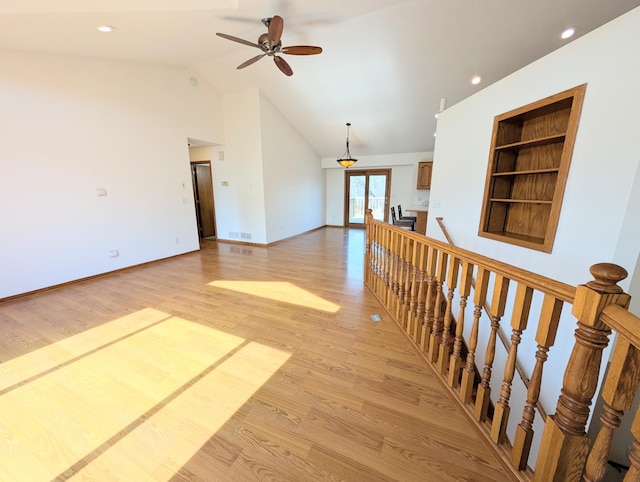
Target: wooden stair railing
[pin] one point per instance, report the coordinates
(417, 280)
(506, 343)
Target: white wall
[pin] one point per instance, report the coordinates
(240, 205)
(294, 182)
(70, 126)
(404, 178)
(605, 158)
(599, 217)
(274, 185)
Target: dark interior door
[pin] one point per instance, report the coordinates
(203, 193)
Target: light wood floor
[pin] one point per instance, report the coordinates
(234, 363)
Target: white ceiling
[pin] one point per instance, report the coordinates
(385, 66)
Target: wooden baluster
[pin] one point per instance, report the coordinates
(399, 291)
(380, 256)
(408, 276)
(445, 344)
(422, 291)
(618, 392)
(455, 362)
(387, 262)
(379, 260)
(564, 445)
(403, 306)
(519, 319)
(479, 300)
(382, 243)
(394, 286)
(376, 265)
(375, 258)
(498, 302)
(438, 315)
(545, 337)
(633, 474)
(383, 262)
(397, 309)
(400, 307)
(417, 254)
(429, 300)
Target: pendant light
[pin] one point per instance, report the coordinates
(347, 161)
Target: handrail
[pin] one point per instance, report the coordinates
(558, 289)
(444, 231)
(501, 334)
(622, 321)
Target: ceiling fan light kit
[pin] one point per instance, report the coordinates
(271, 45)
(346, 160)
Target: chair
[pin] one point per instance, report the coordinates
(401, 217)
(402, 223)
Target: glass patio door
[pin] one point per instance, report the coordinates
(366, 190)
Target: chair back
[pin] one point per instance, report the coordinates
(399, 211)
(393, 215)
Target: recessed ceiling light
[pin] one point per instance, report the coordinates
(437, 115)
(567, 33)
(106, 28)
(475, 80)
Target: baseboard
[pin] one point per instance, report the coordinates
(86, 278)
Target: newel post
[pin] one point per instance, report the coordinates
(564, 445)
(368, 217)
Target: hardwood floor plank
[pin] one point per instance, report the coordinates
(232, 363)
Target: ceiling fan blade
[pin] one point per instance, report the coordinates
(275, 30)
(236, 39)
(283, 65)
(301, 50)
(250, 61)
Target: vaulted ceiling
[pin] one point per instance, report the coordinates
(385, 66)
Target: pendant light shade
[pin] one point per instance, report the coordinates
(346, 160)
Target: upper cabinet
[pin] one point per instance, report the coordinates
(531, 150)
(424, 175)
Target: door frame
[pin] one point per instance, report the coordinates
(367, 172)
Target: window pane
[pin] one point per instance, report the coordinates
(356, 199)
(377, 191)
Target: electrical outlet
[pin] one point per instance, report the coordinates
(114, 253)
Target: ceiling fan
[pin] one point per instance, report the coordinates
(271, 45)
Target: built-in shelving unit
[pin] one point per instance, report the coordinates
(529, 160)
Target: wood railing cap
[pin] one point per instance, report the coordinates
(607, 276)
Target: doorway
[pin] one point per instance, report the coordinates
(366, 189)
(203, 196)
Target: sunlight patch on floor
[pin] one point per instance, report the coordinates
(135, 405)
(39, 361)
(280, 291)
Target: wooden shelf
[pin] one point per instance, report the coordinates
(524, 173)
(530, 201)
(529, 160)
(533, 142)
(517, 238)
